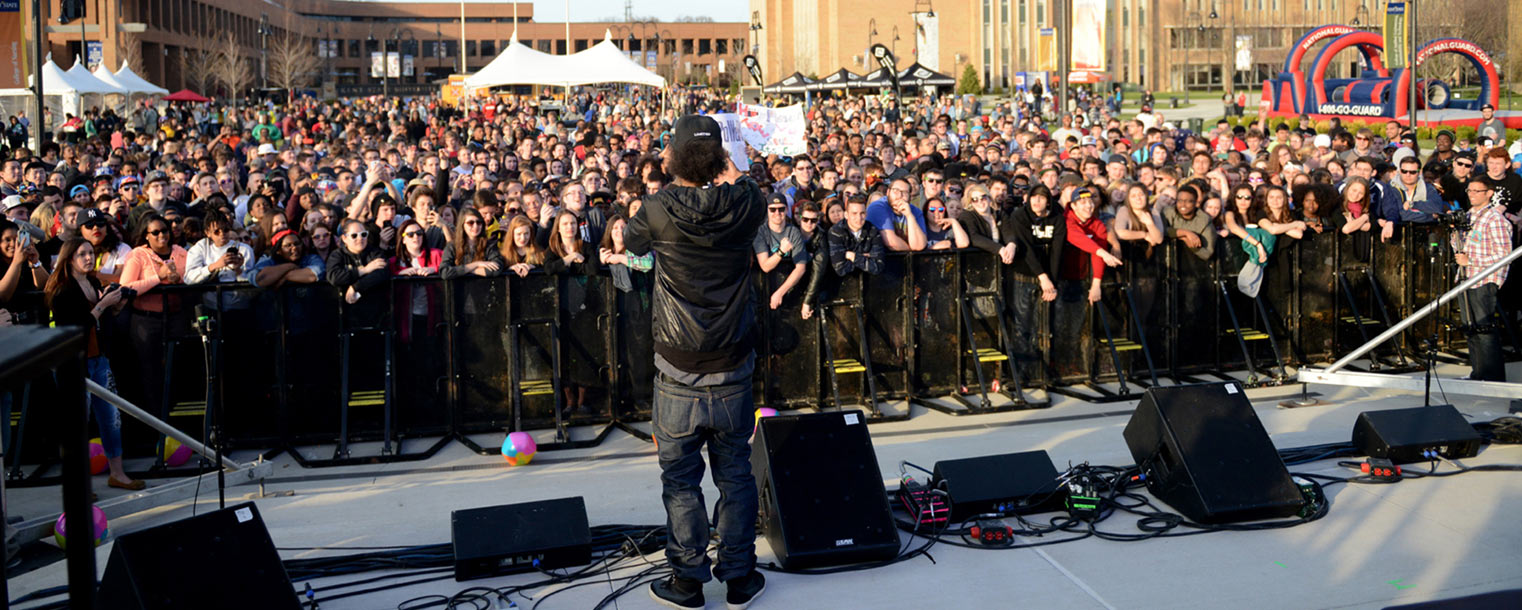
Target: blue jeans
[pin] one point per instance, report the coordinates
(1486, 361)
(722, 417)
(107, 418)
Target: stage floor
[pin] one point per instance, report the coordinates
(1416, 540)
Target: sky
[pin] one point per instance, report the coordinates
(665, 10)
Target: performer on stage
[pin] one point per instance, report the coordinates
(700, 230)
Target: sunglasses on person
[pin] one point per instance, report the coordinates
(321, 235)
(412, 234)
(359, 235)
(936, 209)
(472, 223)
(980, 197)
(1463, 164)
(808, 219)
(157, 232)
(777, 209)
(1243, 197)
(934, 180)
(96, 224)
(1410, 171)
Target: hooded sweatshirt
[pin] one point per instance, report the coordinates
(702, 304)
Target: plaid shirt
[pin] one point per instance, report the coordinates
(1488, 240)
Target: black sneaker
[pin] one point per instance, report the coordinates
(677, 592)
(744, 590)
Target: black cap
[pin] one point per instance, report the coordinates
(778, 199)
(696, 128)
(91, 215)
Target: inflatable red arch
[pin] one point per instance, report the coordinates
(1490, 91)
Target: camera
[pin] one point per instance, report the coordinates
(127, 293)
(1456, 221)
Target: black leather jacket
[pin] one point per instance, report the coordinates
(702, 306)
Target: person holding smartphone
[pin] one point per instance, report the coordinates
(75, 296)
(155, 261)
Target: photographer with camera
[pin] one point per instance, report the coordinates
(76, 298)
(1488, 240)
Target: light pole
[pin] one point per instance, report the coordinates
(929, 12)
(382, 44)
(264, 32)
(755, 32)
(894, 45)
(438, 44)
(866, 59)
(1229, 48)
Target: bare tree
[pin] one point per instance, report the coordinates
(131, 53)
(229, 67)
(197, 63)
(291, 61)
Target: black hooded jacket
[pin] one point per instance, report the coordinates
(701, 236)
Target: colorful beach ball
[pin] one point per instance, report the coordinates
(519, 448)
(97, 456)
(101, 531)
(174, 453)
(760, 413)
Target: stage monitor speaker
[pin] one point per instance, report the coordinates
(822, 496)
(222, 559)
(1205, 454)
(1403, 435)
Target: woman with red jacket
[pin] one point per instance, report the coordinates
(420, 301)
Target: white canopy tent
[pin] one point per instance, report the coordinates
(518, 64)
(606, 63)
(86, 84)
(62, 90)
(137, 84)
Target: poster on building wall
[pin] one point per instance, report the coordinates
(94, 53)
(13, 57)
(1089, 35)
(1244, 52)
(377, 65)
(1046, 50)
(927, 39)
(393, 64)
(650, 59)
(407, 65)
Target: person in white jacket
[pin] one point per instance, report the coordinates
(220, 258)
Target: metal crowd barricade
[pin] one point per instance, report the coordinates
(788, 358)
(489, 355)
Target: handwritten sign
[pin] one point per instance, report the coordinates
(773, 131)
(734, 143)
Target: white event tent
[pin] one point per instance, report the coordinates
(137, 84)
(67, 87)
(86, 84)
(606, 63)
(518, 64)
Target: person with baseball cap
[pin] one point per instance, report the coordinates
(701, 228)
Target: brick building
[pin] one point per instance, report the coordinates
(1158, 44)
(160, 37)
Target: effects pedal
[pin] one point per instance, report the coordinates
(1082, 502)
(990, 532)
(927, 508)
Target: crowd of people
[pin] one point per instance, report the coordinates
(352, 193)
